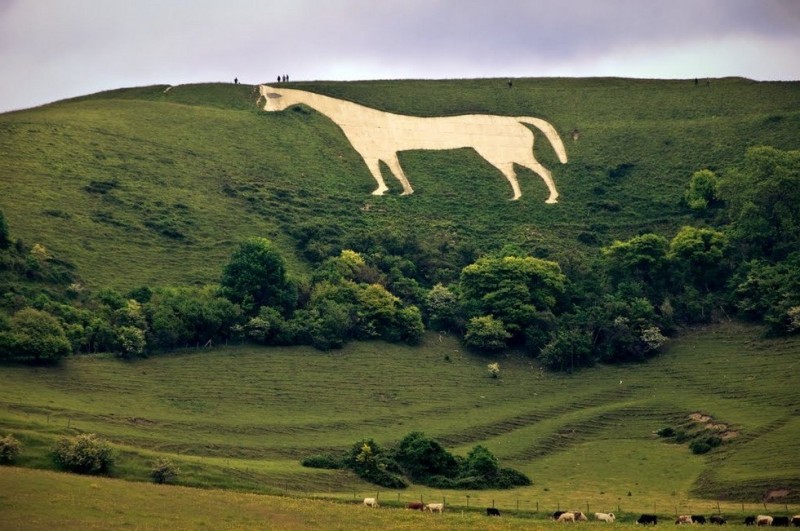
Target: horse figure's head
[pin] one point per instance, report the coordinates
(273, 99)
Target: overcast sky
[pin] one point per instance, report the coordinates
(54, 49)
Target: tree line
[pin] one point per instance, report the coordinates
(740, 256)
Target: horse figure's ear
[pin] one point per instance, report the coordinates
(273, 95)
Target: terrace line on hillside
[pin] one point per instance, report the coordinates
(378, 136)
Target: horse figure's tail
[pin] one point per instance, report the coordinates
(551, 134)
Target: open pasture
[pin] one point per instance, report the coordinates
(241, 417)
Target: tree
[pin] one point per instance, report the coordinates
(486, 333)
(569, 349)
(256, 276)
(698, 256)
(34, 336)
(442, 308)
(84, 454)
(702, 190)
(421, 458)
(763, 198)
(642, 258)
(513, 290)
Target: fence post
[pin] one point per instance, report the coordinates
(537, 506)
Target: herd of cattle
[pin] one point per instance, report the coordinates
(645, 519)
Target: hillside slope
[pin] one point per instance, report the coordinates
(151, 187)
(242, 417)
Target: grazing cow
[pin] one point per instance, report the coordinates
(557, 514)
(605, 517)
(684, 519)
(566, 517)
(717, 519)
(435, 507)
(698, 519)
(780, 521)
(580, 517)
(749, 520)
(647, 519)
(417, 506)
(763, 519)
(371, 502)
(491, 511)
(796, 520)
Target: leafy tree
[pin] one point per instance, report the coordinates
(486, 333)
(34, 336)
(421, 458)
(442, 308)
(256, 276)
(642, 259)
(702, 190)
(569, 349)
(480, 463)
(84, 454)
(698, 256)
(769, 291)
(763, 198)
(514, 290)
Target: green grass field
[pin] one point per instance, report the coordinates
(146, 187)
(142, 187)
(241, 418)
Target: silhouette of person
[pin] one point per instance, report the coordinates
(236, 81)
(279, 79)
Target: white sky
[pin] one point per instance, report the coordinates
(54, 49)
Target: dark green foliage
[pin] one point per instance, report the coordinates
(5, 238)
(422, 458)
(699, 447)
(505, 297)
(666, 432)
(10, 448)
(164, 471)
(84, 454)
(34, 336)
(256, 276)
(763, 198)
(486, 333)
(424, 461)
(569, 349)
(770, 291)
(702, 190)
(322, 461)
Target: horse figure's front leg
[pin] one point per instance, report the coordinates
(374, 166)
(394, 166)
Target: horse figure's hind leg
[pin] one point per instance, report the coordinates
(374, 166)
(546, 176)
(394, 166)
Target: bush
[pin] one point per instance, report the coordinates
(699, 447)
(666, 432)
(84, 454)
(509, 478)
(322, 461)
(9, 449)
(164, 471)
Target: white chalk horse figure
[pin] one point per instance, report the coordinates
(379, 136)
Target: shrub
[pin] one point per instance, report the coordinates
(666, 432)
(164, 471)
(699, 447)
(486, 333)
(9, 449)
(509, 478)
(322, 461)
(84, 454)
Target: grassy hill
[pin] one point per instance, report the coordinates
(156, 187)
(146, 187)
(242, 417)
